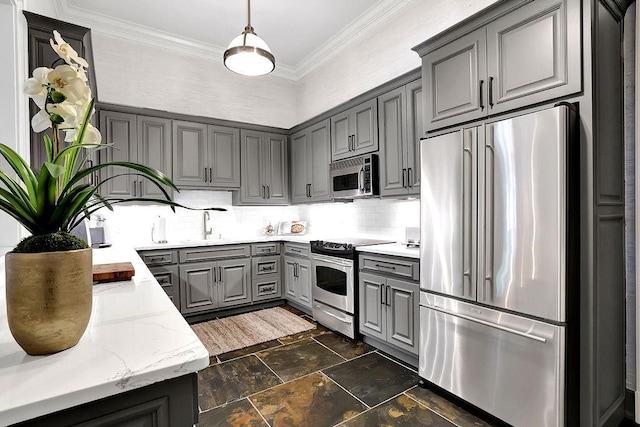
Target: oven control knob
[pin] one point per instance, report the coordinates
(349, 246)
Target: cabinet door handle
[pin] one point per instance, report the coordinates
(349, 143)
(215, 275)
(308, 190)
(205, 174)
(92, 176)
(134, 188)
(382, 295)
(264, 192)
(387, 299)
(268, 192)
(210, 174)
(404, 178)
(409, 178)
(140, 185)
(220, 274)
(481, 97)
(491, 92)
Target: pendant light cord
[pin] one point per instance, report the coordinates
(248, 13)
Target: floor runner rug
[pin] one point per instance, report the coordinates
(244, 330)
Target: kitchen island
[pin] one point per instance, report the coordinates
(136, 360)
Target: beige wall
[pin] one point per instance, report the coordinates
(379, 55)
(137, 75)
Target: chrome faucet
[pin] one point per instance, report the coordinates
(205, 218)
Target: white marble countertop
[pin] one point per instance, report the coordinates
(304, 238)
(396, 249)
(135, 337)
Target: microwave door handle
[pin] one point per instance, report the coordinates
(361, 179)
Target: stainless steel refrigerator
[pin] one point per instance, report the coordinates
(493, 266)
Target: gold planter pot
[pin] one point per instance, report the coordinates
(49, 298)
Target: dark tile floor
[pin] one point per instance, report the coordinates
(317, 379)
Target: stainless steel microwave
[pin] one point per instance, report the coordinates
(356, 177)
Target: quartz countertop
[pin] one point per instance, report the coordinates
(135, 337)
(396, 249)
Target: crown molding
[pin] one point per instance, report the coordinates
(122, 29)
(369, 19)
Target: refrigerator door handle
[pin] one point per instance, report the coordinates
(490, 324)
(489, 219)
(467, 188)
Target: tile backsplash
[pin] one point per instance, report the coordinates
(379, 217)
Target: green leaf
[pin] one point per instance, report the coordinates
(56, 171)
(48, 145)
(22, 169)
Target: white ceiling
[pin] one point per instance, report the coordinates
(300, 33)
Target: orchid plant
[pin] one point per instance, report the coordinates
(58, 197)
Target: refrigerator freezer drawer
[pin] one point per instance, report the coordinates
(509, 366)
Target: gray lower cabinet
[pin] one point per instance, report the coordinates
(163, 264)
(138, 139)
(210, 285)
(389, 310)
(400, 130)
(526, 56)
(355, 131)
(310, 159)
(266, 271)
(264, 172)
(205, 156)
(297, 280)
(169, 278)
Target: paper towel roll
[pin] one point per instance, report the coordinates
(162, 229)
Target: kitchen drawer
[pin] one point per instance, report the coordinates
(296, 249)
(168, 277)
(265, 265)
(267, 287)
(265, 248)
(214, 252)
(159, 257)
(392, 266)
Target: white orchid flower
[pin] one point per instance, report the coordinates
(65, 51)
(91, 135)
(36, 86)
(65, 80)
(42, 119)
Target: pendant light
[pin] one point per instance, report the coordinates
(248, 54)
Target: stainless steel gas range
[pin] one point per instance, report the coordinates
(334, 278)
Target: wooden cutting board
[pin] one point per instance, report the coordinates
(113, 272)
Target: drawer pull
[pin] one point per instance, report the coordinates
(156, 259)
(269, 289)
(295, 250)
(267, 268)
(390, 267)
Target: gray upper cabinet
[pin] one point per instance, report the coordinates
(533, 55)
(189, 154)
(224, 157)
(205, 156)
(139, 139)
(454, 80)
(310, 159)
(400, 126)
(264, 172)
(118, 129)
(154, 149)
(355, 131)
(527, 56)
